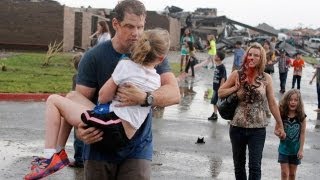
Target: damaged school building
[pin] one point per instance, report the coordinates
(34, 24)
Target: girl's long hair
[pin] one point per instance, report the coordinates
(284, 105)
(105, 27)
(153, 44)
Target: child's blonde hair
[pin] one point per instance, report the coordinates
(284, 104)
(210, 37)
(76, 60)
(153, 44)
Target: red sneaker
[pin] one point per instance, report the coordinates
(64, 157)
(44, 167)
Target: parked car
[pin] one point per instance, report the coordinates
(313, 43)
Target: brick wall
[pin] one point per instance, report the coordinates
(86, 30)
(78, 29)
(155, 20)
(68, 28)
(175, 26)
(30, 23)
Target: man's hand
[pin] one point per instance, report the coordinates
(129, 95)
(88, 135)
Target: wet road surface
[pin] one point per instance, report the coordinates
(175, 131)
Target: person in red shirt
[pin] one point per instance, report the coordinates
(297, 64)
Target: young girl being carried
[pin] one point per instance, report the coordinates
(294, 122)
(149, 51)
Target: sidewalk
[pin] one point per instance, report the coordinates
(175, 131)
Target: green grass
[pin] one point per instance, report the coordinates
(310, 60)
(25, 73)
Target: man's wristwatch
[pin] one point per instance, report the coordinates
(148, 101)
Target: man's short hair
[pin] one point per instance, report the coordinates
(129, 6)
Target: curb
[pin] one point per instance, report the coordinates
(43, 96)
(25, 96)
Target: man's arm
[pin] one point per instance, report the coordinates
(86, 91)
(87, 135)
(168, 94)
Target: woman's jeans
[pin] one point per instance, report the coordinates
(254, 138)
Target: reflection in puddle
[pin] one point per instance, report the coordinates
(187, 93)
(215, 166)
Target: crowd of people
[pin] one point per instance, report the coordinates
(110, 106)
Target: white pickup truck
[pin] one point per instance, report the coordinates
(313, 43)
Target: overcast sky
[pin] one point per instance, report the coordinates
(277, 13)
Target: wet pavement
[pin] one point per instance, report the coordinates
(175, 131)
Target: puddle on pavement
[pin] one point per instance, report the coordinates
(188, 164)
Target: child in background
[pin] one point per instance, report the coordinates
(186, 37)
(298, 64)
(238, 56)
(284, 64)
(191, 61)
(77, 143)
(212, 51)
(219, 77)
(294, 122)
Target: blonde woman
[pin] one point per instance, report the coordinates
(248, 126)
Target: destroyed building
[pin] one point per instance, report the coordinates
(34, 24)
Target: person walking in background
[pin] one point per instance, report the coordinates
(270, 58)
(284, 64)
(238, 56)
(273, 43)
(77, 143)
(186, 37)
(269, 68)
(248, 126)
(298, 64)
(192, 60)
(219, 77)
(317, 76)
(294, 122)
(212, 51)
(102, 34)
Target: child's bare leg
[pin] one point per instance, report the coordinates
(292, 171)
(57, 107)
(65, 127)
(284, 171)
(182, 61)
